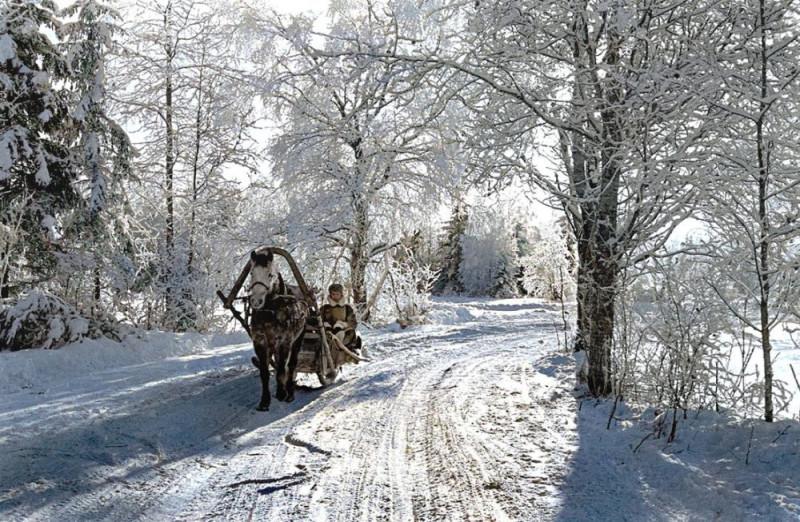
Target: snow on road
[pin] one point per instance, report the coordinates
(470, 418)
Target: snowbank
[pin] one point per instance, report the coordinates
(460, 310)
(43, 320)
(718, 468)
(37, 369)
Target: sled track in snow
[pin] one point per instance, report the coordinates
(448, 423)
(423, 433)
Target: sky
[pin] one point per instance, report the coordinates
(298, 6)
(508, 198)
(288, 6)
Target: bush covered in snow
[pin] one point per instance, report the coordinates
(410, 284)
(42, 320)
(679, 348)
(549, 268)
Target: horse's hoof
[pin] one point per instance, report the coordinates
(261, 407)
(289, 398)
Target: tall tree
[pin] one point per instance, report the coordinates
(356, 138)
(617, 82)
(753, 213)
(36, 174)
(101, 148)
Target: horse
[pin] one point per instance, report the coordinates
(277, 326)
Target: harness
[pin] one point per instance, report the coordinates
(269, 310)
(250, 288)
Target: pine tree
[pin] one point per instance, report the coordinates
(103, 146)
(36, 174)
(451, 253)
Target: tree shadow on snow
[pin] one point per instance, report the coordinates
(701, 476)
(186, 420)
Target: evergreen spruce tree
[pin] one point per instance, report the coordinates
(451, 253)
(522, 249)
(100, 146)
(36, 174)
(505, 283)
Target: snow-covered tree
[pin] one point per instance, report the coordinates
(505, 283)
(753, 212)
(36, 174)
(101, 148)
(489, 261)
(451, 252)
(180, 86)
(358, 144)
(522, 241)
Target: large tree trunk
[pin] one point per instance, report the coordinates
(597, 194)
(605, 266)
(359, 256)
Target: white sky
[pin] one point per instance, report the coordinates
(509, 198)
(288, 6)
(299, 6)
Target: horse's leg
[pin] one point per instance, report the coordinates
(280, 370)
(292, 372)
(262, 352)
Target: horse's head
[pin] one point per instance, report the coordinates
(265, 281)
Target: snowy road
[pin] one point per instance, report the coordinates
(468, 418)
(449, 422)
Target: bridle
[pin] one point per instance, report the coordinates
(270, 298)
(255, 284)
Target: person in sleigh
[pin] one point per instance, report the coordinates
(340, 318)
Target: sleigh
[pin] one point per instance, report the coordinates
(318, 354)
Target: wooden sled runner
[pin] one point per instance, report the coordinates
(320, 354)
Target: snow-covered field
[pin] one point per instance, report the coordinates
(469, 418)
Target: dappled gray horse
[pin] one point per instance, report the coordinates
(277, 325)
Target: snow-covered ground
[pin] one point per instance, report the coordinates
(469, 418)
(787, 357)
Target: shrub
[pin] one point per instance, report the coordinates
(42, 320)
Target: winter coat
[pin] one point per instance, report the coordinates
(340, 318)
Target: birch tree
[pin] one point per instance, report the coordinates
(753, 210)
(359, 141)
(616, 83)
